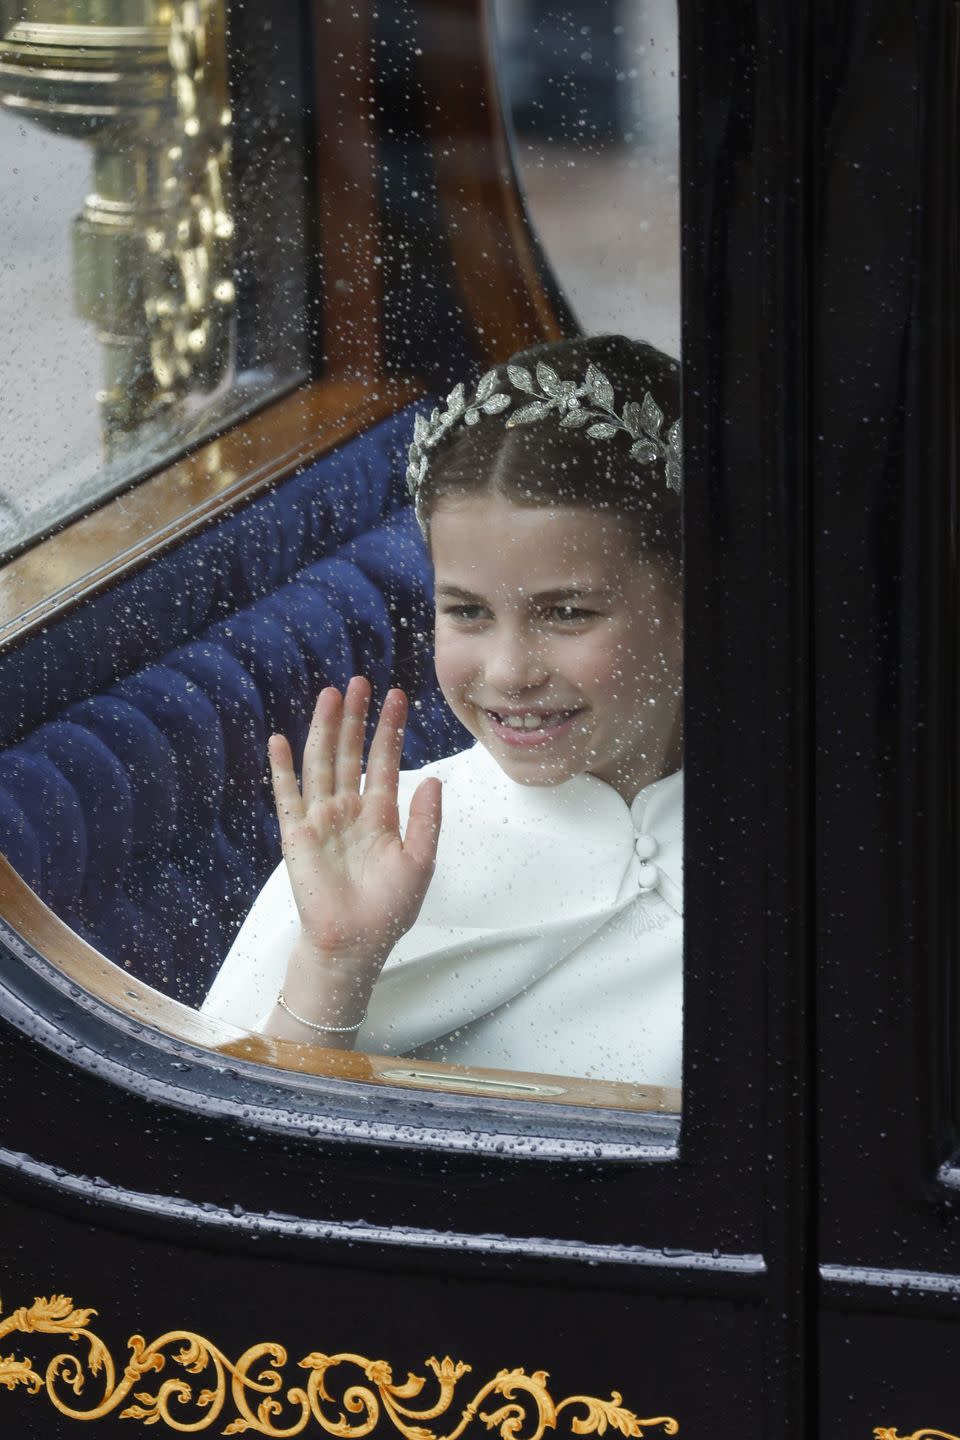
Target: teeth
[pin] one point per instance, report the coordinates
(532, 721)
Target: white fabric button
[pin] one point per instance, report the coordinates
(645, 846)
(647, 876)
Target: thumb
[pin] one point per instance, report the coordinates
(423, 823)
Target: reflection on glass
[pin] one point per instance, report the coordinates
(537, 925)
(123, 184)
(592, 93)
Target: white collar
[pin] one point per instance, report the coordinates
(526, 875)
(656, 809)
(594, 817)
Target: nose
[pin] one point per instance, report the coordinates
(516, 662)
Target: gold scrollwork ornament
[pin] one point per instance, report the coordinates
(889, 1432)
(526, 1412)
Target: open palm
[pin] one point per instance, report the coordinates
(358, 885)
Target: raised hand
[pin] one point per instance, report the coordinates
(358, 886)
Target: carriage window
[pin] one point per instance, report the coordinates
(150, 310)
(592, 95)
(498, 909)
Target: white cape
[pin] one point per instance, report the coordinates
(546, 941)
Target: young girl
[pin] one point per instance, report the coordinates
(538, 925)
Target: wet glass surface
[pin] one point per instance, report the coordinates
(140, 310)
(592, 94)
(544, 937)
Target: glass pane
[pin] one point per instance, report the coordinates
(593, 96)
(142, 313)
(542, 954)
(550, 938)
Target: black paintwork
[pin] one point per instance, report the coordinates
(885, 517)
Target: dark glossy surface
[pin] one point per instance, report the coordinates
(745, 131)
(885, 419)
(885, 526)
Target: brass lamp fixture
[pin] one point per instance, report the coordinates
(145, 81)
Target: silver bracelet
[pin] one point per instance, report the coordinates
(311, 1025)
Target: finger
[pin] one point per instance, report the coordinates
(423, 824)
(383, 763)
(321, 746)
(286, 791)
(353, 724)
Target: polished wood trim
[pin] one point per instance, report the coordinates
(52, 938)
(500, 270)
(516, 1085)
(106, 544)
(41, 929)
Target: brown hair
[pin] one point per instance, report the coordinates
(542, 463)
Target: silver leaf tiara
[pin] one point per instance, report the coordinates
(589, 404)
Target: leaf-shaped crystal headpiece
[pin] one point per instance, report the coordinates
(590, 404)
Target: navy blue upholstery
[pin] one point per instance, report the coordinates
(133, 785)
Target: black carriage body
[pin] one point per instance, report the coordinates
(785, 1259)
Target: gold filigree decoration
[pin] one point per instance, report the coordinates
(889, 1432)
(517, 1405)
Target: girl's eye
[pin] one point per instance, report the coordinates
(570, 614)
(465, 613)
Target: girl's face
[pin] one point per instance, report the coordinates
(556, 647)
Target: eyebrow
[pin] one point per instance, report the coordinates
(573, 592)
(548, 597)
(454, 592)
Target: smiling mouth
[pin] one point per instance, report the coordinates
(532, 720)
